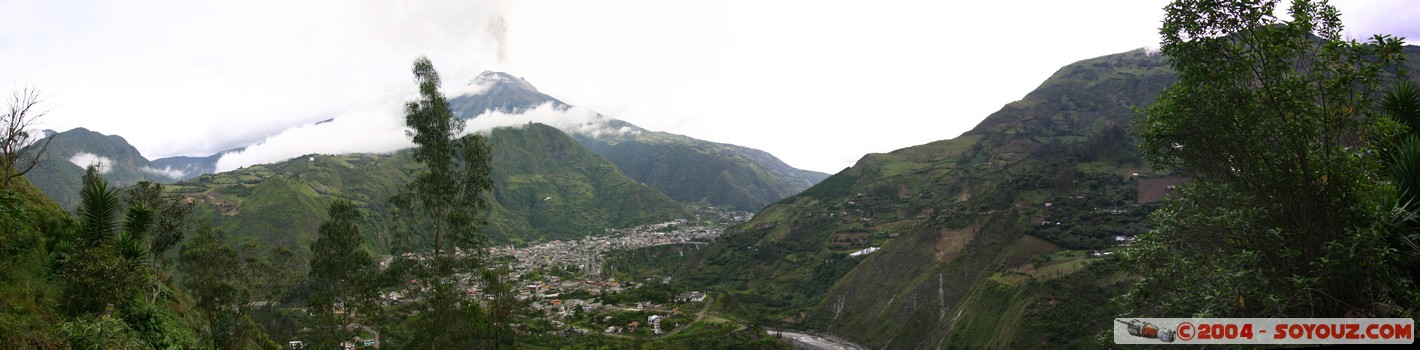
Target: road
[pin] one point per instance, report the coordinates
(372, 331)
(698, 316)
(815, 342)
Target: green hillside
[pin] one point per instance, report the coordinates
(36, 289)
(697, 171)
(546, 186)
(686, 169)
(987, 240)
(561, 190)
(59, 178)
(958, 222)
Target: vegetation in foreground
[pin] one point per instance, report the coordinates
(1288, 187)
(1298, 205)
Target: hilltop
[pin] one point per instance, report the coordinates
(62, 165)
(546, 186)
(963, 253)
(687, 169)
(1001, 237)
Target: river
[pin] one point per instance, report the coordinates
(814, 341)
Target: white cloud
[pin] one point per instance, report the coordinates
(376, 130)
(198, 77)
(1364, 18)
(380, 129)
(1151, 50)
(35, 137)
(575, 120)
(85, 159)
(167, 172)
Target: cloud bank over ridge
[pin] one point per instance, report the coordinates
(380, 128)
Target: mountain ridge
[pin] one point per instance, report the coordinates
(546, 187)
(685, 168)
(949, 218)
(62, 165)
(996, 238)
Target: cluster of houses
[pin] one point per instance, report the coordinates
(586, 254)
(544, 292)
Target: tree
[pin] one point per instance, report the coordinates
(168, 216)
(219, 279)
(104, 267)
(19, 153)
(341, 273)
(450, 193)
(448, 201)
(1286, 215)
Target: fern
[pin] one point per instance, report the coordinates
(135, 226)
(1402, 103)
(98, 212)
(1406, 172)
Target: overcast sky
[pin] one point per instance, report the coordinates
(817, 83)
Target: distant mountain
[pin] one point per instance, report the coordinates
(686, 169)
(546, 186)
(504, 93)
(183, 167)
(60, 173)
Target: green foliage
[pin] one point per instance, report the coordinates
(85, 295)
(99, 211)
(1285, 216)
(1053, 317)
(103, 332)
(338, 261)
(449, 193)
(654, 262)
(1402, 104)
(977, 193)
(447, 197)
(341, 273)
(1100, 207)
(28, 299)
(1405, 169)
(96, 279)
(159, 327)
(222, 281)
(131, 243)
(101, 261)
(170, 217)
(448, 200)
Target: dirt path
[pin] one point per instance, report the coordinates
(698, 316)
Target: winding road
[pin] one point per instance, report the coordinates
(698, 316)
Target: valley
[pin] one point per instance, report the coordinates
(570, 288)
(1221, 175)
